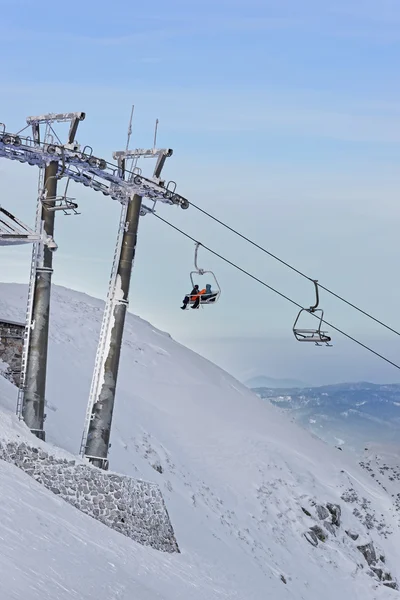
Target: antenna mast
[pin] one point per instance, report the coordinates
(130, 128)
(155, 134)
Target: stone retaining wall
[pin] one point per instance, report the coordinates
(11, 342)
(132, 507)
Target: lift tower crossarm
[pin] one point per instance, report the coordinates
(56, 118)
(73, 117)
(161, 154)
(92, 172)
(142, 152)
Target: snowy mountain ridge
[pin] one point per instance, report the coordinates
(242, 484)
(262, 381)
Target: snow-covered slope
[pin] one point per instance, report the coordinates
(234, 471)
(51, 551)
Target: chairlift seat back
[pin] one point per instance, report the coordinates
(205, 299)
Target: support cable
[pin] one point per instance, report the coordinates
(286, 264)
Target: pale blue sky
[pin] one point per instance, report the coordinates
(284, 117)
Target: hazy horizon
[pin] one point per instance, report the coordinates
(284, 122)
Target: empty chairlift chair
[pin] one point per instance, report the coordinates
(317, 336)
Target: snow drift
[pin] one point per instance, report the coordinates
(241, 482)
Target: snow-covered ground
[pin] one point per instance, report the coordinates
(234, 471)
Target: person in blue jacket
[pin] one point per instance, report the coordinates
(205, 295)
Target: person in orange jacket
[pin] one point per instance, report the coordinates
(196, 303)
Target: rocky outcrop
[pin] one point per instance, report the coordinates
(329, 517)
(368, 552)
(352, 534)
(336, 512)
(322, 512)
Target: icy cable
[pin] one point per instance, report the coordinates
(286, 264)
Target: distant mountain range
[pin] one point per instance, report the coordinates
(270, 382)
(351, 414)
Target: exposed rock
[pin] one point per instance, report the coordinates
(354, 536)
(283, 578)
(349, 495)
(322, 512)
(329, 527)
(306, 512)
(378, 572)
(368, 551)
(391, 584)
(319, 532)
(336, 512)
(311, 538)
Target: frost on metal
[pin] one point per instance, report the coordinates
(132, 507)
(119, 293)
(56, 117)
(82, 167)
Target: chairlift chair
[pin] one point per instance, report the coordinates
(317, 336)
(215, 293)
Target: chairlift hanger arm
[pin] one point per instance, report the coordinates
(313, 308)
(200, 271)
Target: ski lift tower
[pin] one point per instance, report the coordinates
(97, 429)
(68, 161)
(32, 388)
